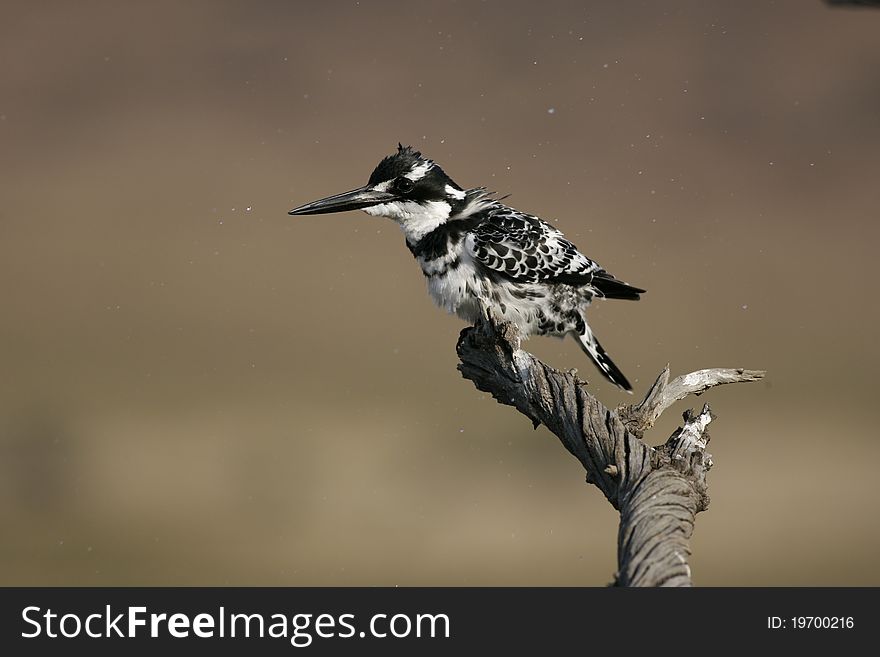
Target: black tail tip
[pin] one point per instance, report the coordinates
(610, 370)
(621, 382)
(603, 362)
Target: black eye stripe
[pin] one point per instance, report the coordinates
(403, 184)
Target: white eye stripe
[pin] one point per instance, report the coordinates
(419, 170)
(383, 186)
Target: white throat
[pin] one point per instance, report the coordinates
(415, 219)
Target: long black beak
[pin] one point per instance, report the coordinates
(356, 199)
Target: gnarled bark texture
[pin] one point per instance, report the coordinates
(657, 490)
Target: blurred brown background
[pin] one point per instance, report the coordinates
(196, 388)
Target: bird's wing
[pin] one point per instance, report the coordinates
(524, 249)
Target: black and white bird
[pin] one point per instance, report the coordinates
(480, 255)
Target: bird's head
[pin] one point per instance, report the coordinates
(406, 187)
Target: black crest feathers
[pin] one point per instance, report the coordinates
(408, 151)
(396, 165)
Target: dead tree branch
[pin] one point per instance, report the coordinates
(657, 490)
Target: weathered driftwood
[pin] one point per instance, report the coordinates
(657, 490)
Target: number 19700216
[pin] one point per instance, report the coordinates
(811, 622)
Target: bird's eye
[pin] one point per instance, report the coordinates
(403, 184)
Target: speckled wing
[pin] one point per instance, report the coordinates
(524, 249)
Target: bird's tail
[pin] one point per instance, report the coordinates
(594, 350)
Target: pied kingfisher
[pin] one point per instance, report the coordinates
(478, 254)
